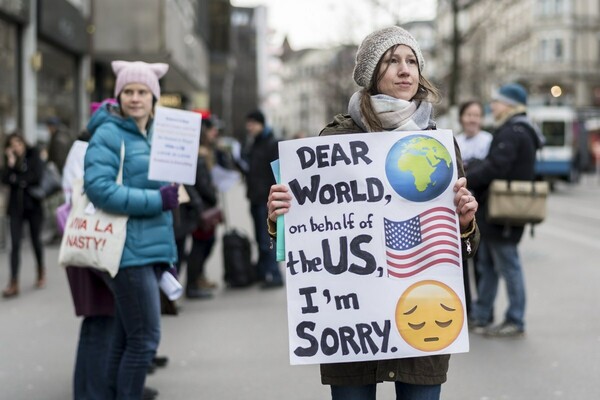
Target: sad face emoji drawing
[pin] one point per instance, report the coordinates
(429, 316)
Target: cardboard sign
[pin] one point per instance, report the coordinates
(373, 250)
(175, 142)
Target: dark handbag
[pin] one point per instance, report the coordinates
(91, 296)
(210, 218)
(49, 184)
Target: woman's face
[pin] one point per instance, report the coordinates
(136, 101)
(400, 71)
(211, 134)
(17, 146)
(471, 119)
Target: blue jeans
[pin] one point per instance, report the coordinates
(404, 391)
(268, 268)
(137, 330)
(495, 260)
(95, 336)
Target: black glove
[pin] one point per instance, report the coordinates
(169, 197)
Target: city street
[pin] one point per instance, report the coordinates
(235, 346)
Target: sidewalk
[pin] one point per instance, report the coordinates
(231, 347)
(235, 346)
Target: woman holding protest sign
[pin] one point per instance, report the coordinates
(149, 248)
(394, 96)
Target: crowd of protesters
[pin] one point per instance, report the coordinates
(120, 330)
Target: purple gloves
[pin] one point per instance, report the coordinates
(169, 197)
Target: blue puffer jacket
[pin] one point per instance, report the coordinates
(150, 238)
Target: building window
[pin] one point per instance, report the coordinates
(558, 49)
(558, 6)
(551, 50)
(551, 7)
(543, 50)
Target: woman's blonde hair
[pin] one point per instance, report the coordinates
(426, 92)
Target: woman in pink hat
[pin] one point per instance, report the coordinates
(150, 244)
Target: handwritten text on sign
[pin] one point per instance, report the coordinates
(175, 141)
(373, 247)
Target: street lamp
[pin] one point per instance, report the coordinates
(556, 91)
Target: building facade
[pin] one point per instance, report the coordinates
(55, 57)
(316, 84)
(246, 89)
(43, 45)
(550, 46)
(14, 16)
(153, 31)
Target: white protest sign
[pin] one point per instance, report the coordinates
(373, 252)
(175, 142)
(224, 179)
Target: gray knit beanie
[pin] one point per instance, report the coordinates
(374, 47)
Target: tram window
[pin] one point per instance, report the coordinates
(554, 132)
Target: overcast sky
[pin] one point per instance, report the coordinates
(322, 23)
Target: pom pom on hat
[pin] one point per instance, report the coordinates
(512, 94)
(374, 46)
(139, 72)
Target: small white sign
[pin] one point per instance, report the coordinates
(224, 178)
(175, 142)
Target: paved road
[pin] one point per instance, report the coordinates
(235, 346)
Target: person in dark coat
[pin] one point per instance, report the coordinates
(394, 96)
(260, 153)
(23, 170)
(59, 144)
(511, 157)
(57, 150)
(203, 237)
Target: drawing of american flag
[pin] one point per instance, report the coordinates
(421, 242)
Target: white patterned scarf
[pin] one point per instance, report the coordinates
(394, 114)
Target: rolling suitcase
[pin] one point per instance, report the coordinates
(239, 271)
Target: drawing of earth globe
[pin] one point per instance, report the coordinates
(419, 168)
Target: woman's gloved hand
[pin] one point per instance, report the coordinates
(169, 197)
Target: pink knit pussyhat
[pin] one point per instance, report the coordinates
(139, 72)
